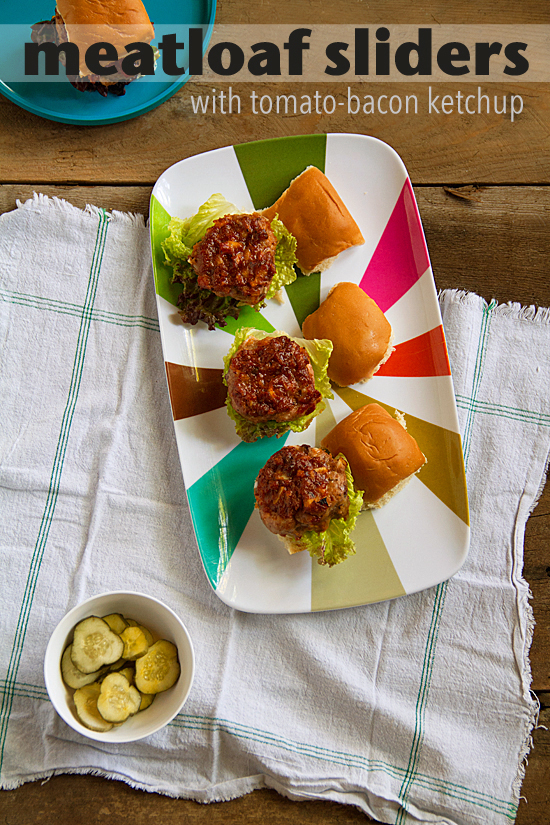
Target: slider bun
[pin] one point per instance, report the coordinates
(360, 333)
(117, 22)
(382, 455)
(312, 210)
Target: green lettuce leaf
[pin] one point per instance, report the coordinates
(334, 545)
(198, 304)
(285, 258)
(319, 351)
(187, 232)
(174, 247)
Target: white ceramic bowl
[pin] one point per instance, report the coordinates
(162, 622)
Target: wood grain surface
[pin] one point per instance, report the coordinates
(482, 186)
(436, 148)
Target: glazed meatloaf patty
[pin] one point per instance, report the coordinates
(236, 258)
(301, 488)
(272, 380)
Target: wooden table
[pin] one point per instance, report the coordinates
(482, 185)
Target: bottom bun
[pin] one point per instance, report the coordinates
(382, 455)
(290, 544)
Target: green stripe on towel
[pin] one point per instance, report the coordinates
(356, 761)
(76, 310)
(55, 480)
(439, 600)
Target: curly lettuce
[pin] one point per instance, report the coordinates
(198, 304)
(285, 258)
(334, 545)
(319, 351)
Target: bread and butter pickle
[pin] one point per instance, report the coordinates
(116, 667)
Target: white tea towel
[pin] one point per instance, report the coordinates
(389, 707)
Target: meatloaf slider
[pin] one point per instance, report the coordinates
(89, 23)
(225, 259)
(300, 493)
(272, 379)
(236, 258)
(272, 385)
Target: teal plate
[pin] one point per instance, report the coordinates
(58, 100)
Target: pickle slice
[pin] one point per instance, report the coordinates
(148, 634)
(118, 699)
(85, 700)
(146, 700)
(95, 645)
(72, 676)
(118, 665)
(116, 622)
(129, 673)
(159, 669)
(135, 643)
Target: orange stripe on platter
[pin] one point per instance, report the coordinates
(423, 356)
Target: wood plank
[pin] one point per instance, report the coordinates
(535, 790)
(377, 11)
(436, 148)
(121, 198)
(495, 241)
(537, 572)
(117, 802)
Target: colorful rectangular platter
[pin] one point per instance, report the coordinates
(420, 538)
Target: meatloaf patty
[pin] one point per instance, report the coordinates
(236, 258)
(272, 380)
(301, 488)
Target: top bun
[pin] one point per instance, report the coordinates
(117, 22)
(361, 334)
(381, 454)
(312, 210)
